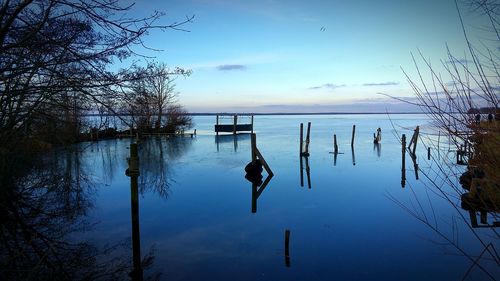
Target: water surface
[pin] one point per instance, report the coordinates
(202, 220)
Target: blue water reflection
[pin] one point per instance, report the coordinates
(205, 221)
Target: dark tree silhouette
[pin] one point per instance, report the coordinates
(54, 60)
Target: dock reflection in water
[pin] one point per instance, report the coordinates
(226, 139)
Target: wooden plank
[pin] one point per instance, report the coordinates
(263, 161)
(230, 128)
(353, 132)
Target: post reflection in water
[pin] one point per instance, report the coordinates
(133, 173)
(378, 148)
(474, 205)
(256, 190)
(308, 172)
(353, 156)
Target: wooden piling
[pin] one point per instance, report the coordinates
(235, 122)
(252, 125)
(308, 138)
(335, 147)
(353, 132)
(403, 154)
(216, 124)
(254, 147)
(414, 141)
(264, 163)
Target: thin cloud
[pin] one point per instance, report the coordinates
(381, 84)
(329, 86)
(231, 67)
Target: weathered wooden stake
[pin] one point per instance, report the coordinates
(235, 122)
(413, 141)
(252, 125)
(308, 138)
(353, 132)
(264, 163)
(254, 147)
(403, 154)
(217, 123)
(287, 248)
(335, 147)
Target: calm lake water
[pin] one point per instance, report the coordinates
(200, 219)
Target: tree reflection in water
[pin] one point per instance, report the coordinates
(155, 155)
(43, 206)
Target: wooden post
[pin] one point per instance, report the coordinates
(287, 248)
(252, 124)
(308, 137)
(403, 154)
(217, 123)
(235, 122)
(301, 137)
(353, 132)
(263, 161)
(335, 147)
(195, 132)
(414, 141)
(254, 147)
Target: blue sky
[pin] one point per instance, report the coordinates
(302, 56)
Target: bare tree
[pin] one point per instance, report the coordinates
(152, 97)
(452, 99)
(51, 47)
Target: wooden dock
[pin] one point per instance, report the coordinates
(234, 127)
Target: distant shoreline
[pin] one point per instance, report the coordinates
(277, 113)
(307, 113)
